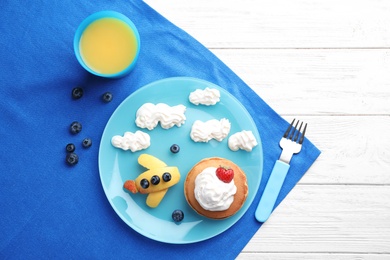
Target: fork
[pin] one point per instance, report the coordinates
(291, 143)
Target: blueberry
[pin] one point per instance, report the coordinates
(75, 127)
(144, 183)
(107, 97)
(175, 148)
(87, 142)
(77, 93)
(70, 148)
(155, 180)
(167, 177)
(177, 215)
(72, 159)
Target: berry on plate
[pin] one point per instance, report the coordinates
(177, 215)
(225, 174)
(155, 180)
(175, 148)
(167, 176)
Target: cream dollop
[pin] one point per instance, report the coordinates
(212, 129)
(207, 96)
(131, 141)
(244, 140)
(212, 193)
(149, 115)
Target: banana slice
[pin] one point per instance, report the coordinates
(155, 181)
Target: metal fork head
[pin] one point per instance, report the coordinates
(292, 140)
(295, 132)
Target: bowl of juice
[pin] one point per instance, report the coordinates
(107, 44)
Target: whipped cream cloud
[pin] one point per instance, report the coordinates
(212, 193)
(211, 129)
(207, 96)
(244, 140)
(131, 141)
(149, 115)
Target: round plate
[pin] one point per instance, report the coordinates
(116, 166)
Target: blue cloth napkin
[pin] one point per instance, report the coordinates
(50, 210)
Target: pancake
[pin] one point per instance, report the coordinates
(240, 181)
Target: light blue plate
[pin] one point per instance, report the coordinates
(116, 166)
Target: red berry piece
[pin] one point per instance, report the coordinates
(225, 174)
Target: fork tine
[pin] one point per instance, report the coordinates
(298, 132)
(293, 131)
(288, 129)
(303, 135)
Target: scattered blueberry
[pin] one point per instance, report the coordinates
(175, 148)
(107, 97)
(167, 176)
(177, 215)
(72, 159)
(155, 180)
(87, 142)
(70, 148)
(75, 127)
(77, 93)
(144, 183)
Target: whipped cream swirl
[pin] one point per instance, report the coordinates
(244, 140)
(149, 115)
(206, 96)
(212, 129)
(212, 193)
(131, 141)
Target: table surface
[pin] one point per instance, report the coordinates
(326, 62)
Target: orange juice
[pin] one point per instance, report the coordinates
(108, 46)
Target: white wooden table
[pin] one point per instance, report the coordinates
(326, 62)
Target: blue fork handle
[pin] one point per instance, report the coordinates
(271, 191)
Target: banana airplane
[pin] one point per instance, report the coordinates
(155, 181)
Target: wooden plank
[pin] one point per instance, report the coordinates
(322, 82)
(281, 23)
(329, 218)
(311, 256)
(355, 149)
